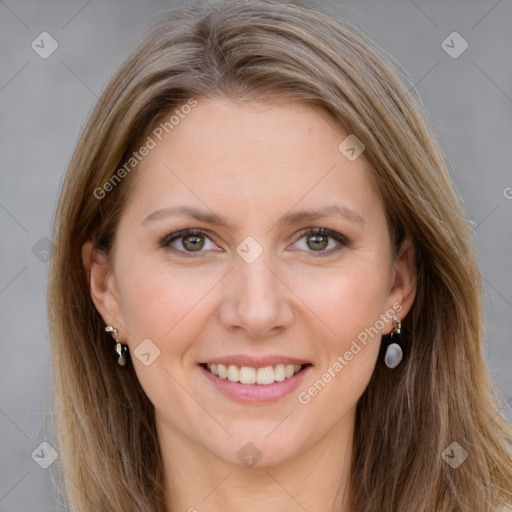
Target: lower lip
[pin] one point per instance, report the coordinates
(256, 393)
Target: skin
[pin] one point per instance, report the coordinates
(251, 165)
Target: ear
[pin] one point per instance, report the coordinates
(102, 287)
(403, 281)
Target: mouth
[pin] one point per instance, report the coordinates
(247, 375)
(262, 383)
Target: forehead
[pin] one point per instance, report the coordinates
(254, 157)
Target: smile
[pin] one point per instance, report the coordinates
(250, 375)
(264, 382)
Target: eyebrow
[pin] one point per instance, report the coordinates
(210, 217)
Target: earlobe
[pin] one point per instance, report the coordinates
(101, 284)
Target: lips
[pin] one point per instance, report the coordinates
(257, 393)
(255, 379)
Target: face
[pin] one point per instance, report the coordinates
(288, 262)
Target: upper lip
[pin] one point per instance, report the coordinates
(255, 362)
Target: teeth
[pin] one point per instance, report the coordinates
(248, 375)
(223, 371)
(265, 376)
(279, 373)
(233, 373)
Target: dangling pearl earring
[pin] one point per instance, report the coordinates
(120, 349)
(394, 354)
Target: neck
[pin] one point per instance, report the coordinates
(315, 478)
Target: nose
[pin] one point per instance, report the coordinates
(256, 301)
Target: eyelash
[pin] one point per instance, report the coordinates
(338, 237)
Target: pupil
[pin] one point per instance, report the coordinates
(193, 242)
(317, 242)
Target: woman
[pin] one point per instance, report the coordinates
(264, 292)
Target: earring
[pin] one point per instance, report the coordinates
(394, 354)
(121, 350)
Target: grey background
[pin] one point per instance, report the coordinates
(44, 104)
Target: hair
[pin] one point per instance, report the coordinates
(263, 51)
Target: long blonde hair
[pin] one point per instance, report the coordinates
(441, 393)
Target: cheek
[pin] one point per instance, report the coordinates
(347, 358)
(159, 303)
(349, 303)
(346, 301)
(167, 307)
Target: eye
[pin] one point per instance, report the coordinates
(322, 241)
(317, 240)
(188, 241)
